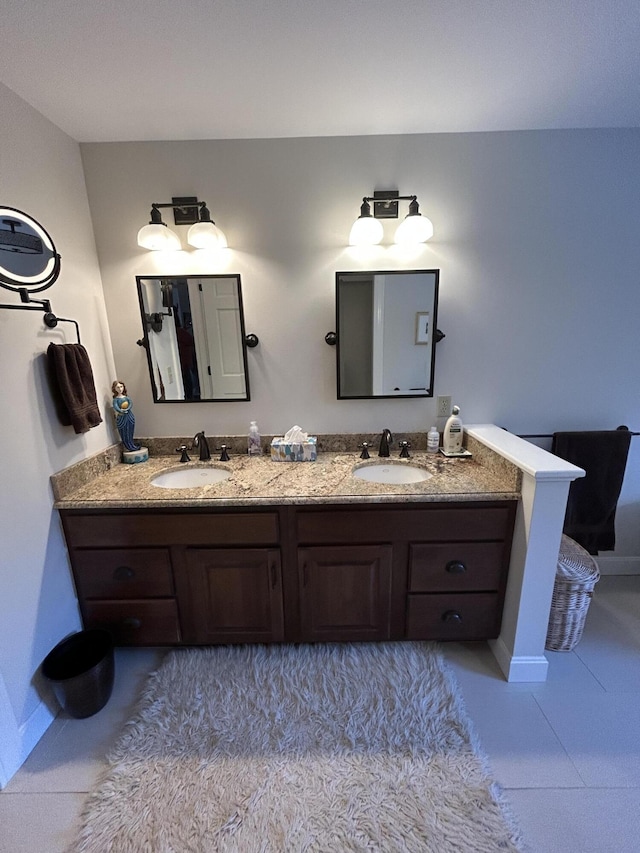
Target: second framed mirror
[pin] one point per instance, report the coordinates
(386, 333)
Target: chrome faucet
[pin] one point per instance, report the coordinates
(200, 441)
(384, 442)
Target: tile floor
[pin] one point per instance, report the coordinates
(567, 751)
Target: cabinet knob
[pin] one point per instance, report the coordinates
(455, 567)
(451, 616)
(123, 573)
(132, 622)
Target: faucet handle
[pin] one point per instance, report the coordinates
(224, 456)
(183, 450)
(365, 451)
(404, 449)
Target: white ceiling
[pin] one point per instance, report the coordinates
(109, 70)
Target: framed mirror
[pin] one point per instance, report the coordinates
(194, 335)
(386, 325)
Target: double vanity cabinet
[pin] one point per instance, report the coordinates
(310, 572)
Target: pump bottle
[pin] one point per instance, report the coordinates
(254, 448)
(452, 436)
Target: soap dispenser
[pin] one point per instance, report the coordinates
(452, 436)
(254, 448)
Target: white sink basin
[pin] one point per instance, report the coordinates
(189, 478)
(396, 475)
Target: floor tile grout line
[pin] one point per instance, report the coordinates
(559, 739)
(562, 788)
(577, 654)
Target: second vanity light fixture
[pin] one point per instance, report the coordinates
(187, 210)
(367, 230)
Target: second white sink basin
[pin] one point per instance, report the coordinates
(189, 478)
(392, 474)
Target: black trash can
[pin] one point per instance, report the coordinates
(81, 670)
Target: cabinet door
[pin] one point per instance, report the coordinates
(345, 592)
(234, 596)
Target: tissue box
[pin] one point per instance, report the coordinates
(304, 452)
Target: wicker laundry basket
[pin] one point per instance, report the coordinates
(576, 575)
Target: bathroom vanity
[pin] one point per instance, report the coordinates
(352, 572)
(307, 552)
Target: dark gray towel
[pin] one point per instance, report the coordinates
(592, 502)
(72, 386)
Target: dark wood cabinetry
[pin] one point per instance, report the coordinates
(345, 592)
(309, 573)
(232, 595)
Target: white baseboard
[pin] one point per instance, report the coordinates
(20, 742)
(519, 667)
(618, 565)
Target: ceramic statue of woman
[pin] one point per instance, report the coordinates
(125, 420)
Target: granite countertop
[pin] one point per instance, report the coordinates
(104, 482)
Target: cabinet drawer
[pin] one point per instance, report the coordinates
(468, 616)
(162, 528)
(123, 573)
(444, 524)
(461, 566)
(135, 622)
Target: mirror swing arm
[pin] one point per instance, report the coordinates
(50, 319)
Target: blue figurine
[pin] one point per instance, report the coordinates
(125, 420)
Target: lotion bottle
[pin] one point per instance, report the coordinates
(452, 436)
(254, 448)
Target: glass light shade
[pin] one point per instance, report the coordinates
(206, 235)
(158, 238)
(415, 228)
(366, 231)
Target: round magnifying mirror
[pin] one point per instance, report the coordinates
(28, 258)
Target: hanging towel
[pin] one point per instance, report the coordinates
(73, 388)
(591, 506)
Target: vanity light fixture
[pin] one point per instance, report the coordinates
(367, 229)
(187, 210)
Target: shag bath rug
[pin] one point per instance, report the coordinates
(284, 749)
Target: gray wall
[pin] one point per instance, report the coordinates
(41, 174)
(535, 236)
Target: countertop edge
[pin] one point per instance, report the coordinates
(221, 503)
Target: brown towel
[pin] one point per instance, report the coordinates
(592, 502)
(72, 383)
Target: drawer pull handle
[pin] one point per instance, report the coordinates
(455, 567)
(452, 616)
(274, 576)
(132, 622)
(123, 573)
(305, 577)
